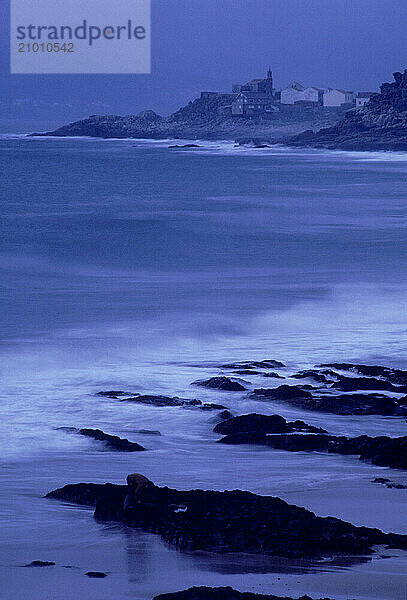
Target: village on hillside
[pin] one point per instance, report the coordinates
(259, 96)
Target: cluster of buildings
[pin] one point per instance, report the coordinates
(259, 96)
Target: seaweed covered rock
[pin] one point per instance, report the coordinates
(231, 521)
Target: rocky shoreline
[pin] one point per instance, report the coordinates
(241, 522)
(200, 119)
(381, 124)
(231, 521)
(222, 593)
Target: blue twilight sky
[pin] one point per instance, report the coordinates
(208, 45)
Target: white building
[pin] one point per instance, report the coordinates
(338, 97)
(296, 92)
(292, 93)
(313, 94)
(362, 98)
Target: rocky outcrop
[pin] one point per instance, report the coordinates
(157, 400)
(389, 483)
(350, 384)
(263, 424)
(212, 406)
(110, 441)
(382, 451)
(41, 563)
(231, 521)
(202, 119)
(113, 394)
(161, 401)
(341, 404)
(312, 374)
(220, 383)
(381, 124)
(396, 376)
(221, 593)
(254, 364)
(282, 392)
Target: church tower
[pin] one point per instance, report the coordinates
(269, 83)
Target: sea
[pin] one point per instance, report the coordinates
(130, 265)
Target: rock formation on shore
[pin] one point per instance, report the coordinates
(113, 442)
(263, 424)
(221, 593)
(381, 124)
(202, 119)
(382, 451)
(231, 521)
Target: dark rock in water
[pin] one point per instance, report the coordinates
(212, 406)
(330, 373)
(185, 146)
(40, 563)
(148, 432)
(308, 386)
(357, 404)
(274, 375)
(292, 443)
(112, 441)
(113, 394)
(153, 400)
(342, 404)
(248, 372)
(312, 374)
(231, 521)
(220, 383)
(254, 364)
(396, 376)
(96, 574)
(353, 384)
(299, 442)
(222, 416)
(221, 593)
(256, 423)
(381, 480)
(257, 438)
(389, 484)
(382, 451)
(67, 429)
(283, 392)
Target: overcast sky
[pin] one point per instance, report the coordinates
(210, 44)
